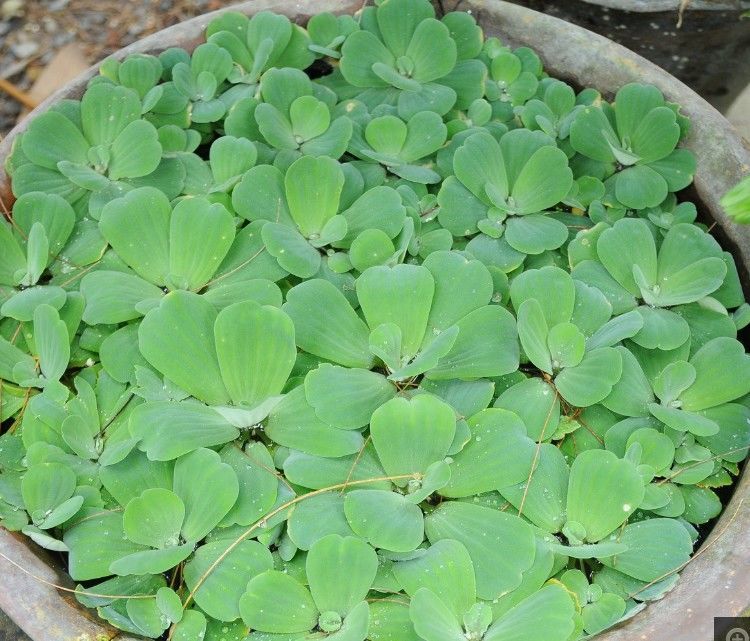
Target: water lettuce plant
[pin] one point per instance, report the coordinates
(365, 331)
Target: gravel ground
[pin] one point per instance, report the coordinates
(32, 31)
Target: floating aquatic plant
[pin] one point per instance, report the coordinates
(425, 348)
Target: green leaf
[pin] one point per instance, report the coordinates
(543, 181)
(95, 543)
(12, 259)
(261, 195)
(501, 545)
(293, 423)
(542, 496)
(255, 349)
(409, 435)
(258, 484)
(52, 342)
(602, 493)
(689, 266)
(340, 336)
(230, 158)
(106, 110)
(293, 253)
(628, 232)
(446, 570)
(722, 370)
(346, 398)
(360, 51)
(136, 151)
(535, 234)
(452, 301)
(486, 346)
(551, 287)
(177, 338)
(167, 430)
(224, 574)
(151, 561)
(632, 394)
(640, 187)
(536, 404)
(22, 304)
(603, 613)
(592, 380)
(145, 614)
(154, 518)
(401, 295)
(340, 572)
(496, 435)
(547, 614)
(51, 138)
(656, 547)
(316, 518)
(200, 236)
(276, 602)
(385, 519)
(433, 619)
(44, 487)
(169, 604)
(51, 211)
(313, 187)
(137, 227)
(317, 472)
(113, 297)
(192, 626)
(208, 488)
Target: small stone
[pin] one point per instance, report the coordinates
(11, 9)
(24, 49)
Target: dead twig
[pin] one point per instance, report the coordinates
(19, 96)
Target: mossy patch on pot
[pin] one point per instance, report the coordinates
(425, 347)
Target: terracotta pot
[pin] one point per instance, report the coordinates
(717, 582)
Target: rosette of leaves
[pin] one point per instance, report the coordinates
(63, 436)
(42, 225)
(403, 55)
(86, 147)
(692, 400)
(495, 190)
(48, 316)
(292, 119)
(302, 212)
(256, 44)
(413, 322)
(635, 140)
(404, 148)
(140, 72)
(513, 77)
(251, 387)
(200, 81)
(340, 572)
(228, 160)
(552, 110)
(193, 246)
(570, 347)
(684, 266)
(444, 602)
(328, 32)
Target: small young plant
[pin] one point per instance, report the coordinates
(427, 348)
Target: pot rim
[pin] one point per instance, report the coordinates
(571, 53)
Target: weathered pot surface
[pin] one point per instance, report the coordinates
(717, 582)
